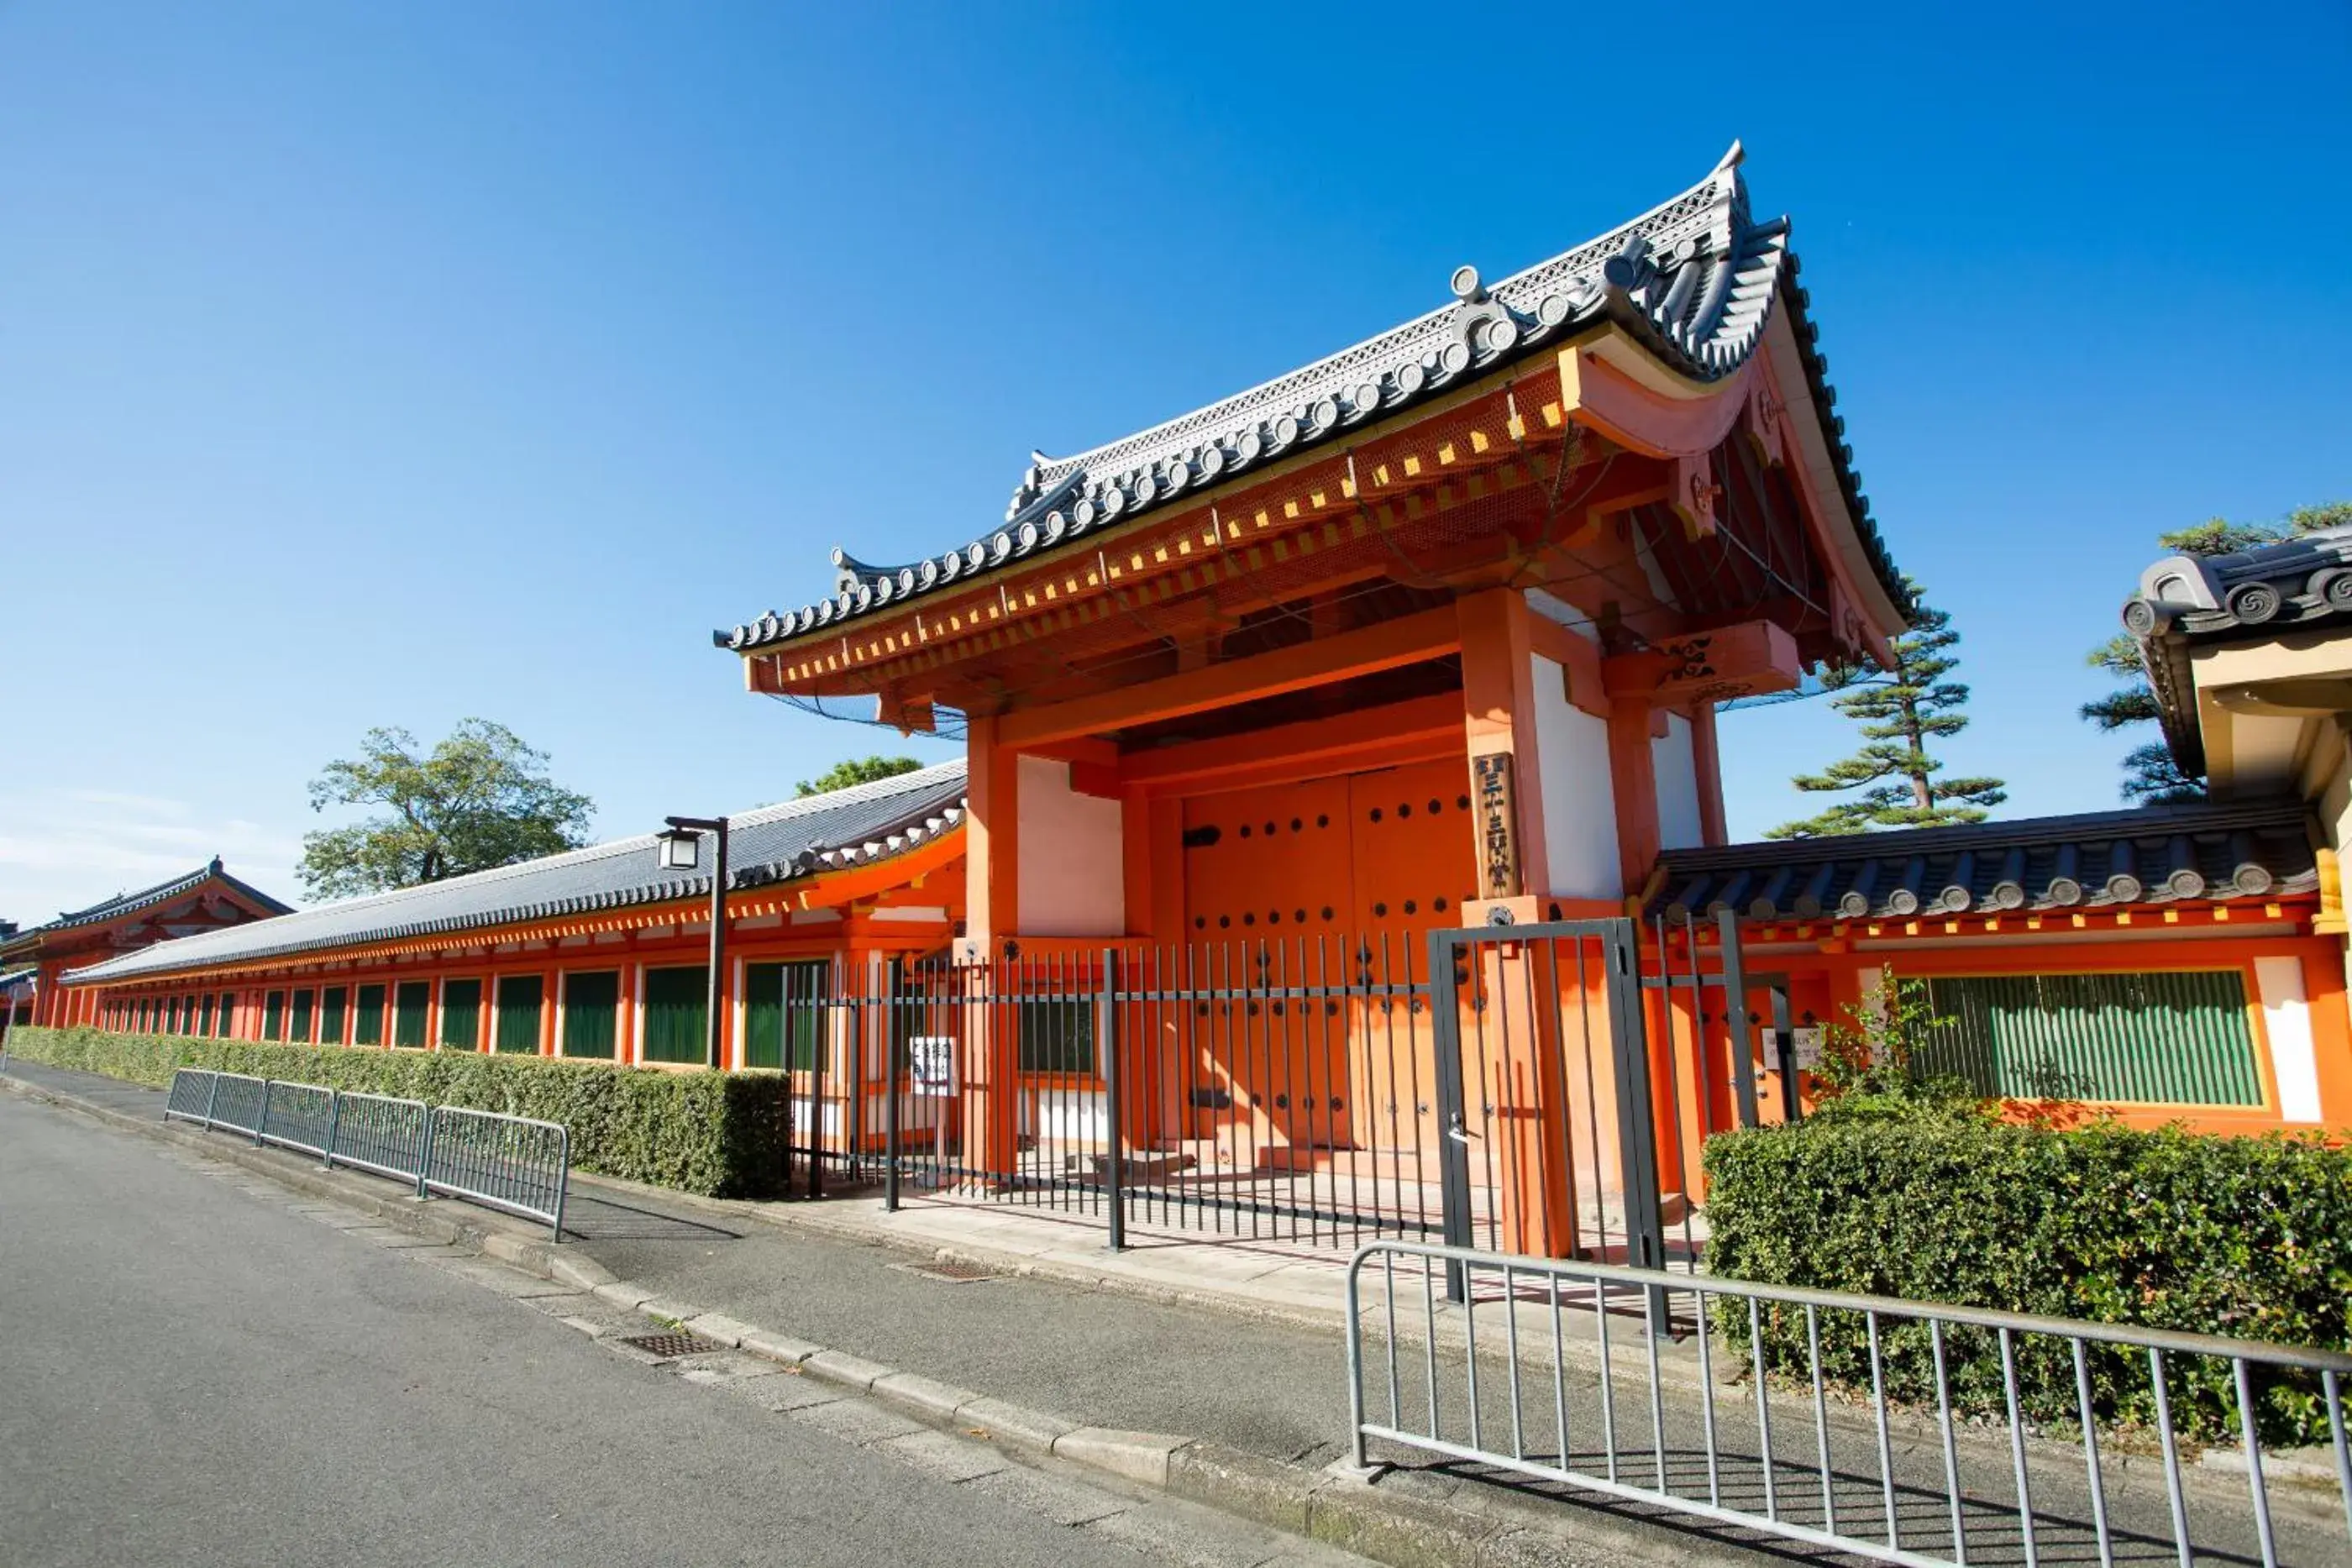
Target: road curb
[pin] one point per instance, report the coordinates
(1349, 1512)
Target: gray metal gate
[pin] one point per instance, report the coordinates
(1578, 1064)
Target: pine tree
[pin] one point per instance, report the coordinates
(1901, 711)
(2151, 778)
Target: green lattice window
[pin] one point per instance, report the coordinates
(412, 1001)
(303, 1003)
(367, 1017)
(677, 1005)
(520, 997)
(591, 1002)
(784, 1013)
(2162, 1037)
(461, 1015)
(273, 1016)
(332, 1002)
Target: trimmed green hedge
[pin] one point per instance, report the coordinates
(2249, 1237)
(719, 1134)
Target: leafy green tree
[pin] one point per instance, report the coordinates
(856, 770)
(2151, 778)
(479, 799)
(1901, 711)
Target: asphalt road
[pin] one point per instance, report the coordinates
(195, 1373)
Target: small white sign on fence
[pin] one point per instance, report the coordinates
(1805, 1045)
(931, 1065)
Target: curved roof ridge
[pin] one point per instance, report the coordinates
(1591, 253)
(1693, 279)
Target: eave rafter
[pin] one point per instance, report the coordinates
(1489, 445)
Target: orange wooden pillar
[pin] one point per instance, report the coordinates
(625, 1027)
(991, 1044)
(1156, 1037)
(731, 1033)
(1633, 782)
(1535, 1193)
(1707, 759)
(2331, 1033)
(549, 999)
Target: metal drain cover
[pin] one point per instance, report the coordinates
(953, 1272)
(672, 1343)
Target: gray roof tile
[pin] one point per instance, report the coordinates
(2103, 860)
(773, 844)
(2267, 591)
(123, 904)
(1696, 279)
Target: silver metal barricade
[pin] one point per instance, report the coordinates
(299, 1116)
(514, 1164)
(1897, 1430)
(377, 1132)
(509, 1162)
(191, 1095)
(238, 1102)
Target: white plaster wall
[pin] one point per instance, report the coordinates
(1579, 805)
(2286, 1020)
(1072, 875)
(1560, 612)
(1677, 766)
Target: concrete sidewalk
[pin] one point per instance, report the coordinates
(1217, 1370)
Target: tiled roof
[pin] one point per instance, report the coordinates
(2103, 860)
(123, 904)
(775, 843)
(2260, 593)
(1694, 280)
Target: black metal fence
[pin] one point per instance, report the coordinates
(1273, 1092)
(1494, 1086)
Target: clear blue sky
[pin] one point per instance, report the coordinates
(390, 364)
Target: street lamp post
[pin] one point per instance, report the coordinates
(679, 849)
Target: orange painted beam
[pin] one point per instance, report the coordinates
(1311, 748)
(1578, 659)
(1404, 641)
(1600, 396)
(1094, 753)
(1742, 659)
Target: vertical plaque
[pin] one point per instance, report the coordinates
(1498, 833)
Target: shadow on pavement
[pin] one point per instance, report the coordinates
(589, 1218)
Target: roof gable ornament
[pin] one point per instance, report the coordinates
(1694, 280)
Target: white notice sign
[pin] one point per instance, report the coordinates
(931, 1064)
(1804, 1044)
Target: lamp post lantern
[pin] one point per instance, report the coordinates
(679, 848)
